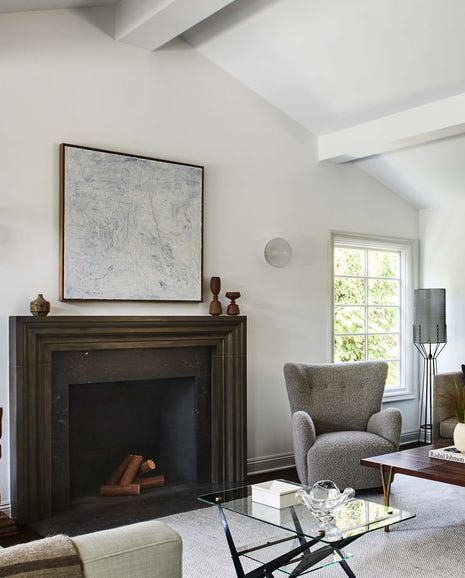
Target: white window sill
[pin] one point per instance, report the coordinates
(398, 396)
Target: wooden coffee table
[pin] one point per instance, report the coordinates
(417, 463)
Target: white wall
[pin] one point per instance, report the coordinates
(64, 80)
(442, 264)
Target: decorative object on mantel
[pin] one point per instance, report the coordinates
(215, 305)
(128, 478)
(430, 338)
(233, 308)
(40, 307)
(278, 252)
(131, 227)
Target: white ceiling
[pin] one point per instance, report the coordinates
(336, 67)
(431, 175)
(332, 64)
(24, 5)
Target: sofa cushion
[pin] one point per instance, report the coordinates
(146, 550)
(447, 426)
(55, 556)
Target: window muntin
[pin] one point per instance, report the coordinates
(369, 305)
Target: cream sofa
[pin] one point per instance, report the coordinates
(144, 550)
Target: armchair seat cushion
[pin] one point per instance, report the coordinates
(336, 456)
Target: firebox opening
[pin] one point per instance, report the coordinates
(160, 419)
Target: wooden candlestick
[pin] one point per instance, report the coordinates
(215, 288)
(233, 309)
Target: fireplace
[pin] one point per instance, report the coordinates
(85, 391)
(156, 418)
(107, 404)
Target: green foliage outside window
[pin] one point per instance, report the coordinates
(367, 307)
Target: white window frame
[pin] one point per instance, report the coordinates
(409, 276)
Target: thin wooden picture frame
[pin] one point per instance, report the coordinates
(131, 227)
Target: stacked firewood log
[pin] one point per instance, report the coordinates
(132, 475)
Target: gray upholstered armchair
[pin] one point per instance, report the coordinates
(337, 420)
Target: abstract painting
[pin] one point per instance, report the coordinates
(131, 227)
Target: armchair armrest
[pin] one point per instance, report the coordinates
(303, 438)
(387, 423)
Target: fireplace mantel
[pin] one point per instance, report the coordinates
(33, 340)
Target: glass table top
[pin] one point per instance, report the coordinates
(355, 518)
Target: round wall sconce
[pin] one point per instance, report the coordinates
(278, 252)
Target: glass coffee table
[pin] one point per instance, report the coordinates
(302, 547)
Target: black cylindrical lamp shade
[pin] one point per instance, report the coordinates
(430, 316)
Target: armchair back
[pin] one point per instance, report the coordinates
(337, 396)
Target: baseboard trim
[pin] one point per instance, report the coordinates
(264, 464)
(408, 437)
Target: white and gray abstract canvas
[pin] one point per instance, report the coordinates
(132, 227)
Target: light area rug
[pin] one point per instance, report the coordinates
(432, 545)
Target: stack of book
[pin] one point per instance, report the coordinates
(450, 453)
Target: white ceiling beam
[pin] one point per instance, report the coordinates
(420, 125)
(151, 23)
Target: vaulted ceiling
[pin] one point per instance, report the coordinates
(370, 76)
(381, 82)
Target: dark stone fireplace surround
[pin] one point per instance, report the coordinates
(37, 343)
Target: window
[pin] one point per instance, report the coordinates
(371, 312)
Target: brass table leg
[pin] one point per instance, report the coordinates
(386, 480)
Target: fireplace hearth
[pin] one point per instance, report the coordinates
(86, 391)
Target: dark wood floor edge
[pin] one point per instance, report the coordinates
(282, 474)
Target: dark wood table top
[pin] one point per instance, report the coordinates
(416, 462)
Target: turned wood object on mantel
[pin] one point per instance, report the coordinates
(233, 307)
(215, 305)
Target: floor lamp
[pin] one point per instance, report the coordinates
(430, 338)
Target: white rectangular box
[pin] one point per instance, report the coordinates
(269, 514)
(276, 493)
